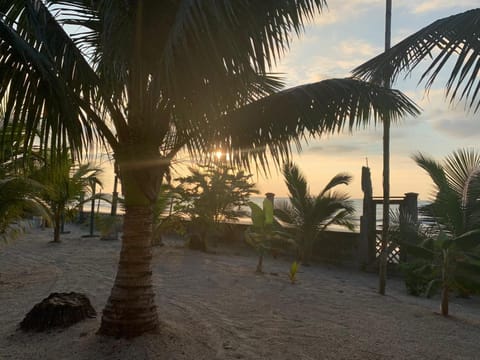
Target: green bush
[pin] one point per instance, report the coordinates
(418, 277)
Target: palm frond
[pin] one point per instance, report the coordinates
(462, 169)
(46, 80)
(456, 201)
(264, 36)
(456, 36)
(325, 107)
(339, 179)
(296, 185)
(434, 169)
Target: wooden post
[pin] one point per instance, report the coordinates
(367, 220)
(411, 205)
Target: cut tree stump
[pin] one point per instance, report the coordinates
(58, 310)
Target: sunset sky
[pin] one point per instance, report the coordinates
(344, 36)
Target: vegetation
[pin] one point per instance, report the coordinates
(213, 195)
(19, 196)
(150, 78)
(448, 254)
(452, 262)
(292, 274)
(64, 183)
(262, 236)
(454, 38)
(449, 41)
(167, 214)
(308, 216)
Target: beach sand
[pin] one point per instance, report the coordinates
(213, 306)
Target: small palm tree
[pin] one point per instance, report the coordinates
(309, 216)
(451, 251)
(19, 194)
(166, 214)
(18, 197)
(213, 195)
(63, 185)
(456, 204)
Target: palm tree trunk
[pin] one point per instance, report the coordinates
(445, 287)
(260, 264)
(57, 219)
(444, 304)
(386, 169)
(131, 310)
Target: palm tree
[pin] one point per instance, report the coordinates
(310, 216)
(63, 184)
(456, 205)
(451, 38)
(19, 194)
(19, 197)
(386, 167)
(214, 194)
(149, 78)
(451, 253)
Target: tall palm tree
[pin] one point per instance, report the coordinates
(309, 216)
(382, 276)
(454, 38)
(148, 78)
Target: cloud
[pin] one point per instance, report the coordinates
(435, 5)
(458, 126)
(344, 11)
(336, 149)
(305, 66)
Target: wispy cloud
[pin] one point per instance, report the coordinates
(304, 66)
(338, 11)
(435, 5)
(334, 149)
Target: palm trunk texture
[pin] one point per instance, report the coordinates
(382, 276)
(56, 226)
(131, 309)
(260, 264)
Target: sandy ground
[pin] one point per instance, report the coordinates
(213, 306)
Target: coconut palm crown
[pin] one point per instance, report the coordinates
(149, 78)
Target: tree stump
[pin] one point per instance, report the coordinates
(58, 310)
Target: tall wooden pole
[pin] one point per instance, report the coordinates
(386, 167)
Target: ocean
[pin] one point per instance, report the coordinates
(104, 207)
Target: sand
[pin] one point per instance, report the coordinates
(213, 306)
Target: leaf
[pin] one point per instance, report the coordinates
(418, 251)
(468, 240)
(451, 38)
(258, 218)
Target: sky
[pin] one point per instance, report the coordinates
(344, 36)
